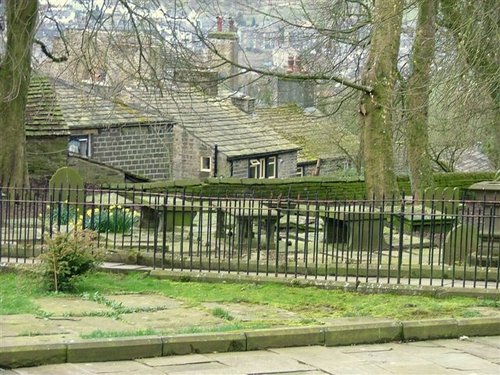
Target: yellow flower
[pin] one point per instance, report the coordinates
(127, 210)
(89, 212)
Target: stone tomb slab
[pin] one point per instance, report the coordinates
(28, 325)
(145, 301)
(249, 312)
(172, 320)
(70, 306)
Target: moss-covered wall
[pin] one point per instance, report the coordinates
(303, 187)
(45, 155)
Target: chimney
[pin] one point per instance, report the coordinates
(232, 27)
(290, 64)
(297, 68)
(219, 24)
(244, 103)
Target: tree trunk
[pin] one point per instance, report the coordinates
(15, 71)
(417, 99)
(376, 106)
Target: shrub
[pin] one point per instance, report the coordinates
(68, 256)
(115, 219)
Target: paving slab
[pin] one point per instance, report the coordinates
(210, 367)
(62, 369)
(173, 360)
(260, 361)
(119, 368)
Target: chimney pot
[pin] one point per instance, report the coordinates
(219, 23)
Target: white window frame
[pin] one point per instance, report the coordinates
(202, 164)
(300, 171)
(272, 160)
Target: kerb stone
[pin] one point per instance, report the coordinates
(363, 333)
(114, 349)
(430, 329)
(32, 355)
(207, 343)
(283, 338)
(489, 326)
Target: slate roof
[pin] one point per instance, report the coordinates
(55, 107)
(84, 109)
(213, 121)
(319, 136)
(43, 113)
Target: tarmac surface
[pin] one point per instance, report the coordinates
(473, 356)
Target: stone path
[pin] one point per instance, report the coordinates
(474, 356)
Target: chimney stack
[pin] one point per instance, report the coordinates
(290, 64)
(219, 24)
(297, 68)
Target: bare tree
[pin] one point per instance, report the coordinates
(375, 108)
(15, 70)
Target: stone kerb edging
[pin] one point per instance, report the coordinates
(332, 335)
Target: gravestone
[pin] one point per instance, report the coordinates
(487, 201)
(66, 185)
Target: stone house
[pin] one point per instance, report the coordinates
(213, 138)
(140, 135)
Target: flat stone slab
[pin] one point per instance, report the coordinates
(145, 301)
(89, 324)
(172, 320)
(64, 306)
(28, 325)
(246, 312)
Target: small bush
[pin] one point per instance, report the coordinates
(68, 256)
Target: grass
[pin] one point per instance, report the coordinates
(18, 293)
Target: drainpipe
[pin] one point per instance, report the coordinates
(216, 152)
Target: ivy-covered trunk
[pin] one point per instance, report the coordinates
(417, 99)
(377, 104)
(15, 71)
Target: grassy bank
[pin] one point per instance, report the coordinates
(19, 292)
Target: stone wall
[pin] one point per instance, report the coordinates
(187, 153)
(140, 150)
(44, 156)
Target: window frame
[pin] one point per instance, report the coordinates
(87, 139)
(202, 164)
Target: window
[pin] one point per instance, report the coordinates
(206, 164)
(271, 167)
(80, 145)
(300, 171)
(263, 167)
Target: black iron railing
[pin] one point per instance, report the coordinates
(435, 241)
